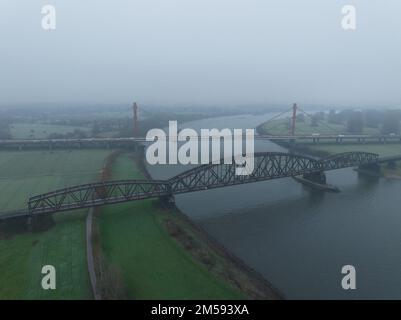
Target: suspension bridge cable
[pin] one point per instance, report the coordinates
(278, 115)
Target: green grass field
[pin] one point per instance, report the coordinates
(40, 131)
(381, 149)
(22, 255)
(281, 127)
(63, 246)
(152, 264)
(27, 173)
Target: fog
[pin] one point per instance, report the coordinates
(201, 52)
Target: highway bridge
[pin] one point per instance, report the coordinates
(133, 142)
(268, 166)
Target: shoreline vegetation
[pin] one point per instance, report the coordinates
(169, 256)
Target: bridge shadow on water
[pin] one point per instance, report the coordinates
(366, 182)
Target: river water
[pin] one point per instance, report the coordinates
(299, 239)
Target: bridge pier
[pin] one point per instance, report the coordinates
(370, 168)
(29, 223)
(137, 147)
(38, 223)
(167, 200)
(391, 165)
(316, 181)
(317, 177)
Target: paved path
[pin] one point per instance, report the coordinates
(89, 255)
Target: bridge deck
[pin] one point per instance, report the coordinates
(88, 141)
(14, 214)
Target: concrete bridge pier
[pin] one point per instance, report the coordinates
(138, 147)
(317, 181)
(392, 165)
(371, 169)
(29, 223)
(316, 177)
(167, 200)
(37, 223)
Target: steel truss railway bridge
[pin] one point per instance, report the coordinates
(268, 166)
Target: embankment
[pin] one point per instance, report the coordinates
(213, 255)
(156, 252)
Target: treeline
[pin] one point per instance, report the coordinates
(76, 134)
(156, 121)
(385, 121)
(4, 128)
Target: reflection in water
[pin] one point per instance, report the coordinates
(315, 197)
(299, 239)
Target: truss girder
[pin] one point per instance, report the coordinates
(267, 166)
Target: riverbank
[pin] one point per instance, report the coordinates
(247, 280)
(159, 253)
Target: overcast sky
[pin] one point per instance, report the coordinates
(201, 52)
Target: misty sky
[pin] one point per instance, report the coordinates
(201, 52)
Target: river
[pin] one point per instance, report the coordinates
(299, 239)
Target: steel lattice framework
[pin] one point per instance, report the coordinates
(97, 194)
(348, 159)
(267, 166)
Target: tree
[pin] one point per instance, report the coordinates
(391, 123)
(78, 134)
(334, 117)
(314, 121)
(4, 135)
(373, 118)
(355, 123)
(95, 128)
(320, 116)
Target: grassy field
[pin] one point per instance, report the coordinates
(381, 149)
(39, 131)
(63, 246)
(281, 127)
(22, 254)
(152, 264)
(26, 173)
